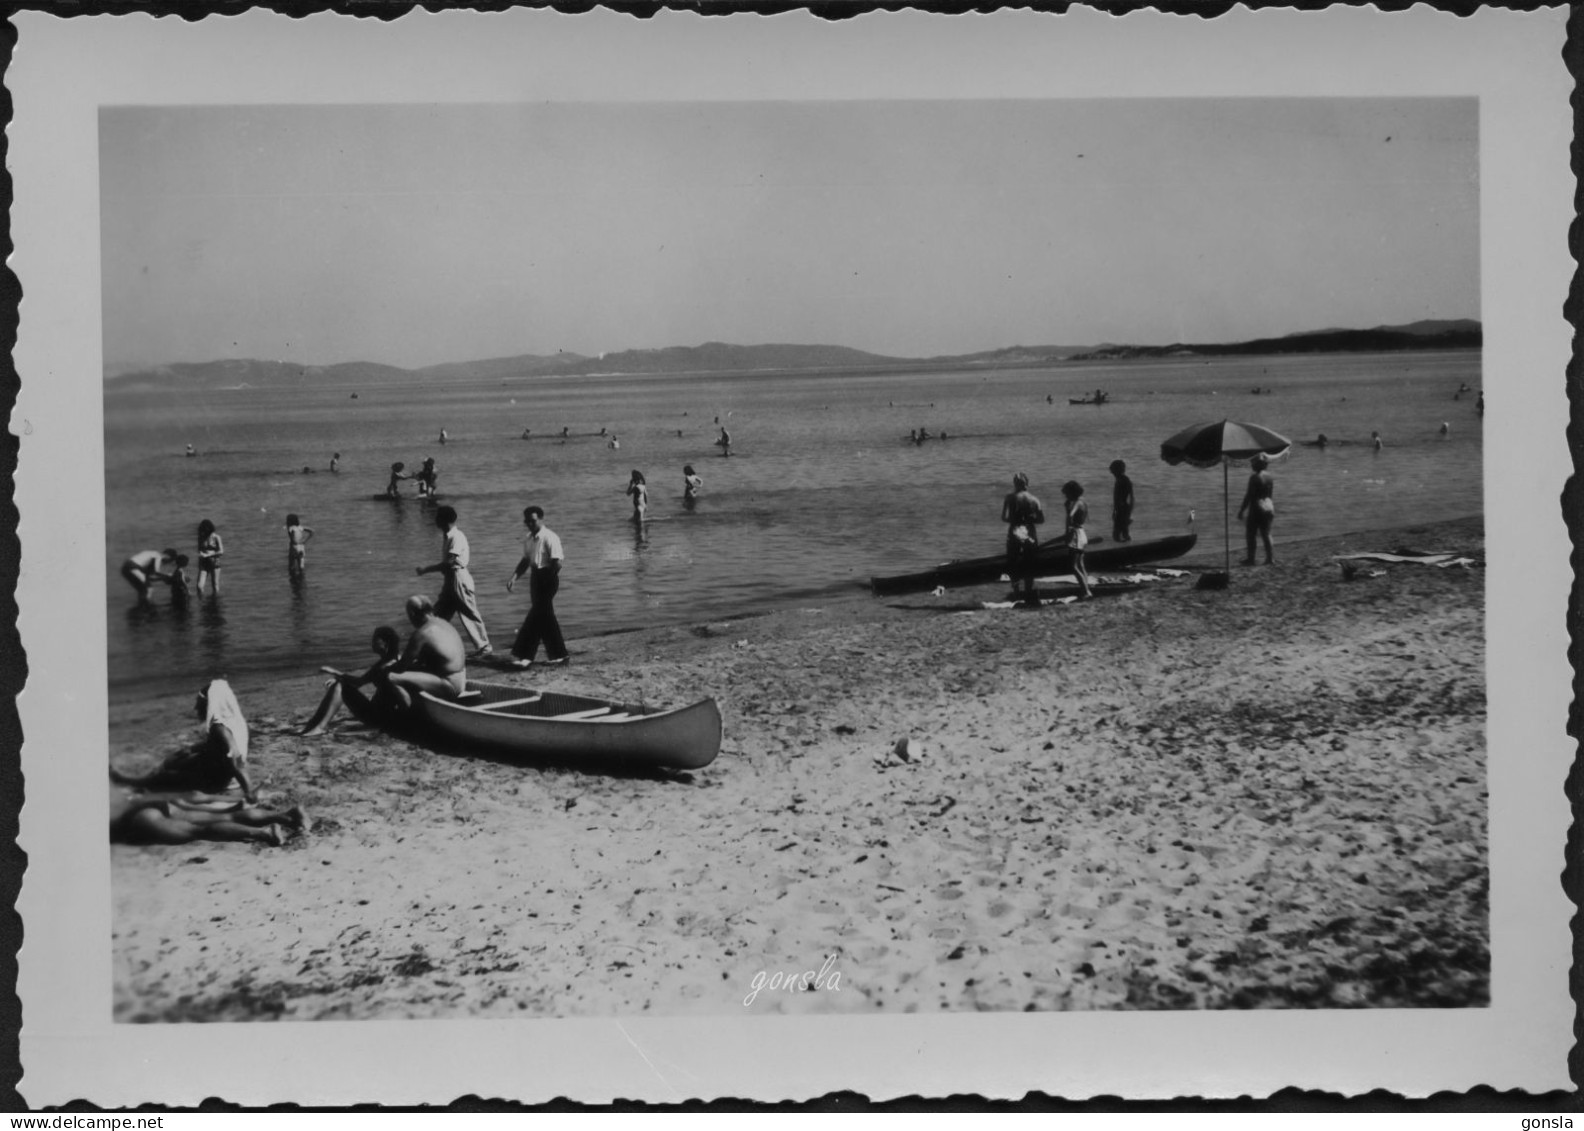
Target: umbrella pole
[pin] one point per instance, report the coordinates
(1226, 510)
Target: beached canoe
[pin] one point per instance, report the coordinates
(548, 726)
(1052, 557)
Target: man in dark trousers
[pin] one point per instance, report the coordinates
(541, 561)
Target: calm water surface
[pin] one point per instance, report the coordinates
(823, 490)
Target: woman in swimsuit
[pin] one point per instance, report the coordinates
(1077, 539)
(210, 550)
(1022, 513)
(1260, 507)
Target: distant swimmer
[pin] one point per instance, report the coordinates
(1049, 399)
(725, 442)
(335, 462)
(1375, 438)
(564, 432)
(1446, 429)
(1322, 441)
(527, 432)
(142, 570)
(602, 431)
(191, 451)
(442, 435)
(614, 444)
(679, 433)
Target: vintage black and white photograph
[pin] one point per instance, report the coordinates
(715, 708)
(580, 558)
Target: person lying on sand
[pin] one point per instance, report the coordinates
(212, 763)
(387, 645)
(153, 818)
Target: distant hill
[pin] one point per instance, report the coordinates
(723, 357)
(1426, 335)
(711, 357)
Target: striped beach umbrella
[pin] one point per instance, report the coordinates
(1224, 442)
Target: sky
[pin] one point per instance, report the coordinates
(414, 235)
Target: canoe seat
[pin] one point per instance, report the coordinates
(467, 695)
(575, 715)
(534, 698)
(617, 718)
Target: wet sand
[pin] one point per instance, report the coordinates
(1272, 795)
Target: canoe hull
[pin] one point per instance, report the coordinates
(1051, 558)
(519, 724)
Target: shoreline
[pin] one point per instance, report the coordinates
(1271, 795)
(146, 715)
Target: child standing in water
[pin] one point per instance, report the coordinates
(638, 488)
(210, 550)
(691, 485)
(297, 536)
(1121, 503)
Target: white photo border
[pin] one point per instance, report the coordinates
(64, 70)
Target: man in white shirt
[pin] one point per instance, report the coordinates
(541, 561)
(457, 596)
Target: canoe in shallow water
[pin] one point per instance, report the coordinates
(551, 726)
(1050, 558)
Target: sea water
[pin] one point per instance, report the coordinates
(823, 488)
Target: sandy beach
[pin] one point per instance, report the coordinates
(1271, 796)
